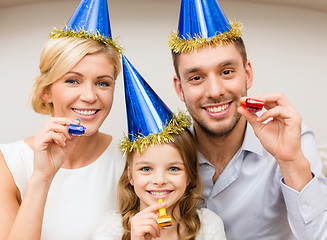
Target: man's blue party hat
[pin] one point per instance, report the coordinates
(90, 21)
(201, 23)
(150, 121)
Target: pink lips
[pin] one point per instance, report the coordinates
(158, 196)
(221, 110)
(78, 112)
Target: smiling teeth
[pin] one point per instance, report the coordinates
(85, 112)
(159, 193)
(218, 109)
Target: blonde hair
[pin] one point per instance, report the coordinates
(189, 222)
(58, 56)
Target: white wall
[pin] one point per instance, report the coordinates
(287, 47)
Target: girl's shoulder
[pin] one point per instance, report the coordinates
(110, 228)
(212, 226)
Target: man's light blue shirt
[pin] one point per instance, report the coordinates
(254, 202)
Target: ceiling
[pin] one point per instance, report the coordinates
(318, 5)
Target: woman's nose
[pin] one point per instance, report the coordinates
(89, 93)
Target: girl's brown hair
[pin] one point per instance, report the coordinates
(189, 222)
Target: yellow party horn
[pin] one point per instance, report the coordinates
(163, 220)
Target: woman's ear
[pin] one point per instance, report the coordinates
(130, 176)
(46, 95)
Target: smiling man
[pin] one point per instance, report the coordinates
(261, 174)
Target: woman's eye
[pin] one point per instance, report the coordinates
(103, 84)
(71, 81)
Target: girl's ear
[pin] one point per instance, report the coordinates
(46, 95)
(130, 176)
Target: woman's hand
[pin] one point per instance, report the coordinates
(144, 224)
(51, 146)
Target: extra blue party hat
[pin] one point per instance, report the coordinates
(202, 23)
(150, 121)
(90, 21)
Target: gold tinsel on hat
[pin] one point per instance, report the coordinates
(96, 36)
(194, 43)
(176, 126)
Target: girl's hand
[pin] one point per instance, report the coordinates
(51, 146)
(144, 224)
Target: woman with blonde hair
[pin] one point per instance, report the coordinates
(56, 185)
(160, 175)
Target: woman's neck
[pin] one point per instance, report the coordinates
(86, 150)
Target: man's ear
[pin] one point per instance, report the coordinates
(178, 88)
(46, 95)
(130, 176)
(249, 75)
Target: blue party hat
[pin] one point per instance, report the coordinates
(90, 21)
(150, 121)
(202, 23)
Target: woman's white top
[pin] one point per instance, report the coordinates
(78, 198)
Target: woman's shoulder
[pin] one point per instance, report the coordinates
(110, 228)
(112, 152)
(212, 226)
(20, 147)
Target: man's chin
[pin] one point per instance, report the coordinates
(218, 129)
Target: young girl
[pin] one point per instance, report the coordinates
(158, 169)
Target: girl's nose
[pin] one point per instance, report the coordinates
(160, 178)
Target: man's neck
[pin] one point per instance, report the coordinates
(219, 150)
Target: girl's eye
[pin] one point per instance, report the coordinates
(174, 169)
(103, 84)
(71, 81)
(146, 169)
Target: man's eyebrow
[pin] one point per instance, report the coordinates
(191, 70)
(227, 63)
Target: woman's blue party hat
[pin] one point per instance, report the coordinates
(90, 21)
(201, 23)
(150, 121)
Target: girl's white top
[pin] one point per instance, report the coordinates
(212, 227)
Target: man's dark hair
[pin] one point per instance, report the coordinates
(239, 44)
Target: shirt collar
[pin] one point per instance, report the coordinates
(250, 142)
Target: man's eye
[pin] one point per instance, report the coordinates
(196, 78)
(226, 72)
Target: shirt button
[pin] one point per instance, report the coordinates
(305, 207)
(208, 167)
